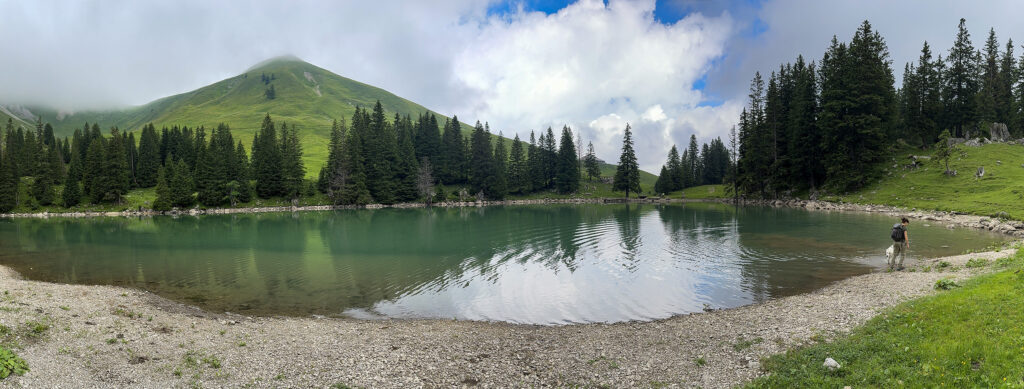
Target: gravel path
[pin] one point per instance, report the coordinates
(102, 336)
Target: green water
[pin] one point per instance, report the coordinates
(526, 264)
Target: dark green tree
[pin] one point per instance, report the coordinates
(481, 160)
(149, 157)
(181, 185)
(590, 162)
(962, 84)
(499, 177)
(567, 179)
(163, 200)
(293, 171)
(627, 174)
(518, 178)
(266, 161)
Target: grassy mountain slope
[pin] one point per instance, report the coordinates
(1001, 189)
(306, 96)
(6, 115)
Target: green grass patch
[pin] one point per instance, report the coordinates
(998, 193)
(968, 337)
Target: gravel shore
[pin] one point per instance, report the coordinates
(103, 336)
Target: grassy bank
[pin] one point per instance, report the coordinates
(1001, 189)
(969, 336)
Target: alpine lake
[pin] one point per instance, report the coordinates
(530, 264)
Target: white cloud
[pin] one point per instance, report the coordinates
(590, 65)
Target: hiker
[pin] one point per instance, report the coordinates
(900, 244)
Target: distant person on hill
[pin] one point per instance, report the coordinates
(900, 244)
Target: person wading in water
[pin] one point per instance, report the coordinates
(900, 244)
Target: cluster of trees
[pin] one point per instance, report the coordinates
(401, 160)
(374, 161)
(829, 124)
(707, 165)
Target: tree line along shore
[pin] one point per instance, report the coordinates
(371, 160)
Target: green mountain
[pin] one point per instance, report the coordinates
(305, 96)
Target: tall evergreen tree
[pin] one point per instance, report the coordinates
(406, 168)
(149, 156)
(535, 165)
(181, 185)
(115, 168)
(1004, 97)
(380, 147)
(989, 94)
(627, 175)
(92, 174)
(567, 166)
(518, 180)
(961, 86)
(72, 193)
(353, 187)
(266, 161)
(499, 178)
(481, 160)
(163, 191)
(292, 168)
(8, 178)
(590, 162)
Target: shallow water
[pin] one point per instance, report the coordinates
(545, 264)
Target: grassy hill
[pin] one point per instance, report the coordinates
(306, 96)
(1001, 189)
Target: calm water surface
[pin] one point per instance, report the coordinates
(547, 264)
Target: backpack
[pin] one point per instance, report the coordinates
(897, 233)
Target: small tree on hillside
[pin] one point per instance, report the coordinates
(944, 151)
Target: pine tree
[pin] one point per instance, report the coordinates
(354, 190)
(499, 175)
(379, 143)
(428, 138)
(1007, 79)
(567, 178)
(406, 168)
(292, 169)
(627, 175)
(988, 94)
(692, 164)
(8, 178)
(266, 161)
(149, 157)
(674, 180)
(481, 164)
(163, 191)
(243, 187)
(92, 175)
(335, 155)
(662, 185)
(590, 162)
(962, 84)
(181, 185)
(115, 171)
(517, 168)
(72, 193)
(535, 165)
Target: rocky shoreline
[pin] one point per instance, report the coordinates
(951, 219)
(305, 208)
(106, 336)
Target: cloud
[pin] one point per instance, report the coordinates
(593, 66)
(523, 70)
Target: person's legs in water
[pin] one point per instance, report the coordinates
(902, 253)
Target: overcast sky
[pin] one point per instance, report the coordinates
(670, 68)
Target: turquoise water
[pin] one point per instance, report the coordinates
(545, 264)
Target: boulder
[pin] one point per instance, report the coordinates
(831, 364)
(998, 132)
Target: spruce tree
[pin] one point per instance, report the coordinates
(962, 84)
(590, 162)
(534, 165)
(115, 171)
(662, 185)
(353, 189)
(428, 138)
(181, 185)
(1005, 105)
(149, 157)
(8, 179)
(241, 178)
(292, 169)
(627, 174)
(499, 177)
(988, 94)
(266, 161)
(567, 179)
(517, 168)
(674, 172)
(163, 191)
(93, 180)
(481, 164)
(406, 168)
(72, 193)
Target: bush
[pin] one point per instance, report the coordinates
(11, 364)
(946, 284)
(976, 262)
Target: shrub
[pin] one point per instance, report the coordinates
(11, 364)
(946, 284)
(976, 262)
